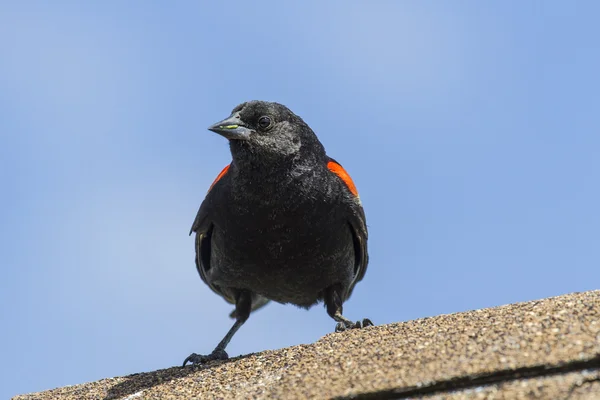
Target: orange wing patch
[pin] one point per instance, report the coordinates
(341, 172)
(221, 174)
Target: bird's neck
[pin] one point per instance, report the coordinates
(273, 171)
(249, 161)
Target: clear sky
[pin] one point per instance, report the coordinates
(472, 130)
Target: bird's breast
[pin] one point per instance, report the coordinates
(286, 245)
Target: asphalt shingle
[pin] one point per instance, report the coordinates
(540, 349)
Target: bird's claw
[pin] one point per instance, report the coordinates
(217, 354)
(342, 326)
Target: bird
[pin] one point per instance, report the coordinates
(282, 222)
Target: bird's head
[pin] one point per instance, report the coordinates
(269, 131)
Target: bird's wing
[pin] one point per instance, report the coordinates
(200, 220)
(203, 227)
(357, 221)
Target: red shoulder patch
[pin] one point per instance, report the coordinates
(343, 175)
(221, 174)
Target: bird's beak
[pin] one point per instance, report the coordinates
(231, 128)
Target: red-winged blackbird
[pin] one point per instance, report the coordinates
(282, 222)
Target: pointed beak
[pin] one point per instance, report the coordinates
(231, 128)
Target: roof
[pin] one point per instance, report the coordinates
(540, 349)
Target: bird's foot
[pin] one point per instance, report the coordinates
(217, 354)
(345, 325)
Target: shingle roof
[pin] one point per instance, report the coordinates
(540, 349)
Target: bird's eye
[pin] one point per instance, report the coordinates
(264, 122)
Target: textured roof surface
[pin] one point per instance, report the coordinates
(541, 349)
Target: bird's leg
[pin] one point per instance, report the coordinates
(243, 306)
(333, 302)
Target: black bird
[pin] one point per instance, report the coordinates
(282, 222)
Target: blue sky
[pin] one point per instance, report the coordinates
(471, 129)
